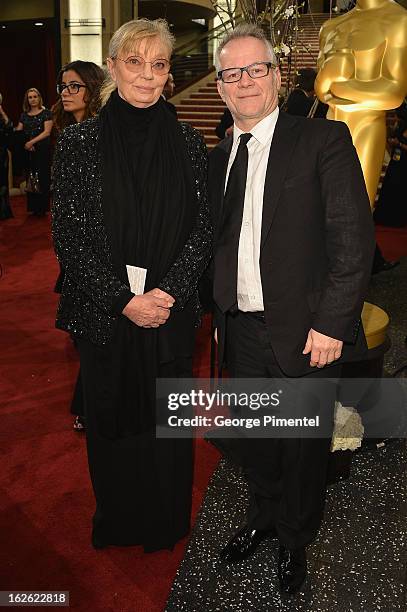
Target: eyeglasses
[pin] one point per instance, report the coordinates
(255, 71)
(73, 88)
(136, 64)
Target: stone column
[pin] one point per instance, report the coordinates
(81, 30)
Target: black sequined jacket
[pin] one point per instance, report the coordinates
(93, 297)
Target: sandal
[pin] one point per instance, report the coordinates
(79, 423)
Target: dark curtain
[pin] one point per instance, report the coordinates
(30, 62)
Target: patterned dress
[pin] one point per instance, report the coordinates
(38, 161)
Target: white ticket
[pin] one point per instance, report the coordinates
(137, 279)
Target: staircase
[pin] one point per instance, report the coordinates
(202, 107)
(185, 68)
(307, 43)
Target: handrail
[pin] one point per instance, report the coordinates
(186, 63)
(205, 37)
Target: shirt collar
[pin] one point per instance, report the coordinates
(262, 131)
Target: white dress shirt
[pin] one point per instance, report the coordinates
(249, 288)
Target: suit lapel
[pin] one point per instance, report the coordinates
(281, 150)
(218, 162)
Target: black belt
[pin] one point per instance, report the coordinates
(259, 315)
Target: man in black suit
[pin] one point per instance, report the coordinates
(302, 100)
(293, 250)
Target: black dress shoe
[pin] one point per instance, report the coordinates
(244, 543)
(292, 569)
(79, 423)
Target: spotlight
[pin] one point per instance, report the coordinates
(38, 23)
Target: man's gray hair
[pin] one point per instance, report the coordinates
(244, 30)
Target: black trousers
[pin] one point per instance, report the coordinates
(286, 476)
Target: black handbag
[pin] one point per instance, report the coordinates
(33, 183)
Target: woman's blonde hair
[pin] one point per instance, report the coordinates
(26, 106)
(126, 38)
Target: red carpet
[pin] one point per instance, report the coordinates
(392, 241)
(46, 502)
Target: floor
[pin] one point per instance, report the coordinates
(359, 561)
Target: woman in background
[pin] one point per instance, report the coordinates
(6, 130)
(78, 87)
(36, 124)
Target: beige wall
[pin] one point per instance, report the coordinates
(111, 14)
(126, 10)
(25, 9)
(187, 36)
(115, 12)
(65, 42)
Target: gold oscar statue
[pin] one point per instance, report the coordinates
(362, 72)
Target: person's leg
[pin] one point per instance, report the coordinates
(286, 477)
(380, 264)
(245, 344)
(245, 358)
(77, 405)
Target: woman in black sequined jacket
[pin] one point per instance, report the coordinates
(92, 294)
(129, 192)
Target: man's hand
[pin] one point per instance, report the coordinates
(323, 349)
(151, 309)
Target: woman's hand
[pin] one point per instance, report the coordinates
(29, 146)
(3, 114)
(151, 309)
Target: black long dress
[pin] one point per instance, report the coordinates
(5, 133)
(391, 208)
(142, 485)
(115, 164)
(39, 160)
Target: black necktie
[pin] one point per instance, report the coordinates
(227, 247)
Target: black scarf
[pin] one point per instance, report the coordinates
(149, 204)
(149, 207)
